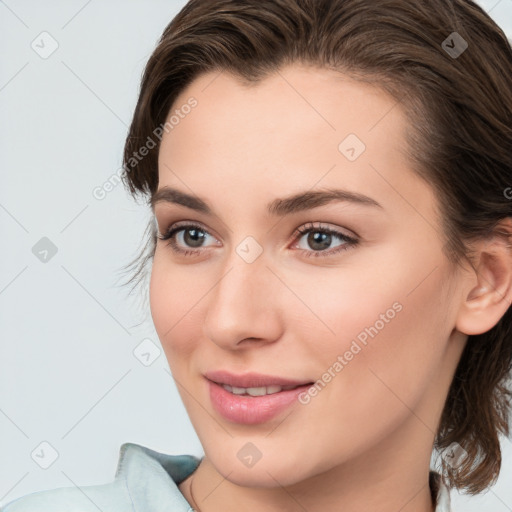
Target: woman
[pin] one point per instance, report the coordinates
(331, 272)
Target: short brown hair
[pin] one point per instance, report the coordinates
(459, 108)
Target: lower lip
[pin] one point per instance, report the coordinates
(249, 410)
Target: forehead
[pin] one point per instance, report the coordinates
(298, 127)
(325, 98)
(295, 104)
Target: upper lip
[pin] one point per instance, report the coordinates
(251, 380)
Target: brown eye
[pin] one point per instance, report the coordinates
(317, 241)
(186, 236)
(193, 237)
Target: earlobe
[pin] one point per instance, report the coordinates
(488, 290)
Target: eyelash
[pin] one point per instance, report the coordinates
(300, 232)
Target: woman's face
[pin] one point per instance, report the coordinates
(363, 302)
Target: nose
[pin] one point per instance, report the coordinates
(244, 307)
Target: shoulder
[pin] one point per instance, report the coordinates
(145, 480)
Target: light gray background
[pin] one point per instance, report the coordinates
(68, 375)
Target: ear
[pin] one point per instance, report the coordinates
(487, 293)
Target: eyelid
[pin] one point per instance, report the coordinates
(298, 231)
(322, 226)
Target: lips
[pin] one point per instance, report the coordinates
(252, 380)
(251, 410)
(252, 398)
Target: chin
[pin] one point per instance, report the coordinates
(270, 472)
(261, 478)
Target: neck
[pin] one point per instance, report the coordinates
(388, 478)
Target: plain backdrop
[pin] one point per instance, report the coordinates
(72, 386)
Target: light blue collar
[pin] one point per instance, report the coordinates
(152, 478)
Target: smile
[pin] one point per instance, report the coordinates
(260, 391)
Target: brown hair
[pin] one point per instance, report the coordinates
(459, 108)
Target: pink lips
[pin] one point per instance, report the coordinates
(249, 410)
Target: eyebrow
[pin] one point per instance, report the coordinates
(278, 207)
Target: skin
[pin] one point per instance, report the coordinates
(365, 441)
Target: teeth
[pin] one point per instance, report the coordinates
(265, 390)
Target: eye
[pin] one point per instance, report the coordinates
(317, 237)
(320, 238)
(188, 235)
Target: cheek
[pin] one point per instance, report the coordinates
(391, 337)
(392, 302)
(173, 303)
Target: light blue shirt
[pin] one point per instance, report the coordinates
(145, 481)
